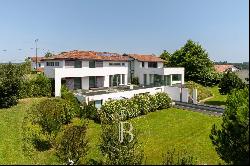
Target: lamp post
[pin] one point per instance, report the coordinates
(36, 52)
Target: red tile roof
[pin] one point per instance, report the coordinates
(222, 68)
(33, 59)
(146, 58)
(40, 69)
(88, 55)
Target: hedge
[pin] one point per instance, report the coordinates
(125, 109)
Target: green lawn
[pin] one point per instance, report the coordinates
(11, 136)
(217, 99)
(159, 131)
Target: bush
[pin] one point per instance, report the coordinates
(203, 92)
(89, 111)
(119, 153)
(143, 102)
(72, 143)
(69, 96)
(10, 83)
(231, 140)
(52, 113)
(36, 85)
(178, 158)
(43, 122)
(162, 101)
(229, 82)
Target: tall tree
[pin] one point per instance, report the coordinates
(231, 139)
(229, 82)
(198, 67)
(166, 57)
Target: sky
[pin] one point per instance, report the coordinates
(131, 26)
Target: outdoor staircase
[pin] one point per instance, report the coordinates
(204, 108)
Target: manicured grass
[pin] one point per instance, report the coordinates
(158, 131)
(168, 129)
(217, 99)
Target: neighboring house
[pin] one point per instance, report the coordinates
(225, 68)
(244, 75)
(90, 70)
(40, 63)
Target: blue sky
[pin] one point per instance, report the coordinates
(131, 26)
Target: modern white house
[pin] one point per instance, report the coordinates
(91, 70)
(150, 71)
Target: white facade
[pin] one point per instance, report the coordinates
(85, 72)
(80, 74)
(142, 69)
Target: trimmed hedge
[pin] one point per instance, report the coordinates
(124, 109)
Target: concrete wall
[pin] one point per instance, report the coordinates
(173, 92)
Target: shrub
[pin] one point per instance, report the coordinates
(72, 142)
(231, 140)
(143, 102)
(115, 110)
(229, 82)
(203, 92)
(178, 158)
(52, 113)
(89, 111)
(69, 96)
(119, 153)
(10, 83)
(162, 100)
(36, 85)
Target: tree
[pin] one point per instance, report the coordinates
(166, 57)
(231, 139)
(72, 143)
(198, 67)
(116, 152)
(229, 82)
(48, 54)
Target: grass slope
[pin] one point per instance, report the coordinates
(159, 131)
(11, 136)
(217, 98)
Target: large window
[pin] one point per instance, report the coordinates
(78, 64)
(116, 64)
(99, 64)
(50, 64)
(142, 63)
(77, 83)
(91, 64)
(152, 64)
(176, 77)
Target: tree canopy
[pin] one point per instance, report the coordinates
(198, 67)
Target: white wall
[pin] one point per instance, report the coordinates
(173, 92)
(85, 83)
